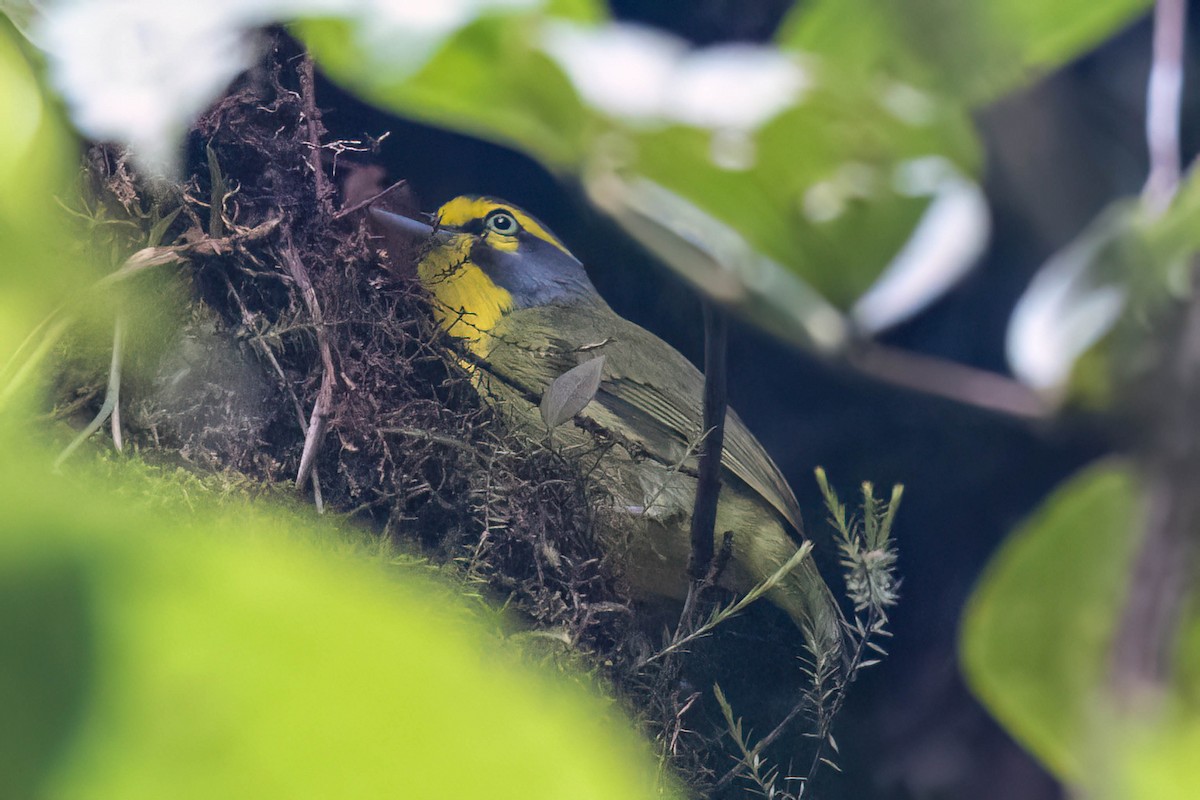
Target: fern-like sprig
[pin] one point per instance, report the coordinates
(868, 557)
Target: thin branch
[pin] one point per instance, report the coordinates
(149, 257)
(685, 635)
(114, 386)
(360, 205)
(284, 384)
(943, 378)
(708, 482)
(1163, 96)
(312, 121)
(324, 402)
(1163, 568)
(433, 436)
(701, 563)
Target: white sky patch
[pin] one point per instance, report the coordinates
(643, 75)
(139, 73)
(1061, 315)
(945, 245)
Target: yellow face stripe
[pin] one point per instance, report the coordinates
(462, 210)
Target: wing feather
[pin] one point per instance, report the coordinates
(531, 347)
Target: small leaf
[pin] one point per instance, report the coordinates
(159, 229)
(571, 392)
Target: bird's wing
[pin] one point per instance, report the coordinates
(531, 347)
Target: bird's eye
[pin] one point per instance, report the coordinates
(501, 222)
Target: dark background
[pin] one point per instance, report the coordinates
(1057, 152)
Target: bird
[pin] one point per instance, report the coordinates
(525, 312)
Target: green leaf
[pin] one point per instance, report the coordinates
(1036, 633)
(721, 263)
(817, 177)
(157, 645)
(807, 156)
(1156, 761)
(971, 51)
(21, 13)
(45, 664)
(37, 159)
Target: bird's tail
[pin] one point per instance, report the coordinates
(808, 600)
(800, 591)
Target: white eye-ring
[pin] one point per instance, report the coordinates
(501, 222)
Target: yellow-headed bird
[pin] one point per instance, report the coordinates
(527, 313)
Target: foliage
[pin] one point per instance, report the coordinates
(197, 650)
(666, 139)
(973, 52)
(1037, 645)
(170, 636)
(761, 201)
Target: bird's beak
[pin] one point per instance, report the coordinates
(397, 224)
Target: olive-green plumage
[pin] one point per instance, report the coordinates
(528, 313)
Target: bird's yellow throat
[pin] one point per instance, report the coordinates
(467, 303)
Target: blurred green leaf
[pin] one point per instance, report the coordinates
(971, 51)
(1155, 756)
(819, 175)
(800, 153)
(37, 158)
(487, 77)
(718, 260)
(21, 13)
(1036, 633)
(1072, 304)
(45, 665)
(1156, 761)
(241, 650)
